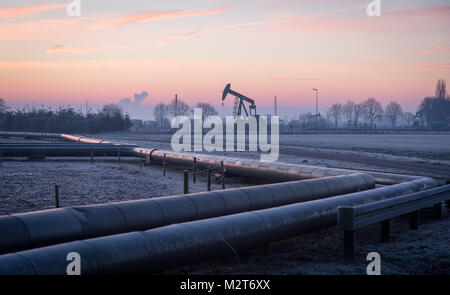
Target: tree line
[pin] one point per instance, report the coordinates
(177, 107)
(433, 112)
(109, 118)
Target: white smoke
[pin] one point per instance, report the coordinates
(134, 106)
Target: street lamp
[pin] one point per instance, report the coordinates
(317, 104)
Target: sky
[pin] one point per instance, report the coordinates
(138, 53)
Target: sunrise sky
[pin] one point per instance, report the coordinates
(195, 47)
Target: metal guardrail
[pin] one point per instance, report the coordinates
(351, 218)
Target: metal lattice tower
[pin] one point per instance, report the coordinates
(235, 108)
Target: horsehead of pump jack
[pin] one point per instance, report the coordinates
(213, 139)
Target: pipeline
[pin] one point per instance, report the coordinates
(35, 229)
(251, 168)
(66, 151)
(172, 245)
(264, 170)
(179, 244)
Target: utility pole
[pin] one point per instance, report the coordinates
(176, 104)
(86, 107)
(275, 111)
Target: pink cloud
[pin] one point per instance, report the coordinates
(432, 66)
(152, 16)
(60, 27)
(389, 21)
(427, 51)
(429, 11)
(255, 23)
(439, 42)
(80, 49)
(28, 10)
(45, 28)
(294, 79)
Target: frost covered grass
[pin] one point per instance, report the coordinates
(29, 185)
(421, 145)
(425, 251)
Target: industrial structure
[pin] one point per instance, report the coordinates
(239, 102)
(152, 235)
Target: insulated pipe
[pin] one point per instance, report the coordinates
(34, 229)
(268, 170)
(30, 134)
(66, 151)
(265, 170)
(175, 245)
(57, 144)
(244, 167)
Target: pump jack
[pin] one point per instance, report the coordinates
(239, 102)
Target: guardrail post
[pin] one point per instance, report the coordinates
(208, 181)
(222, 176)
(186, 183)
(346, 223)
(164, 165)
(194, 168)
(349, 244)
(118, 156)
(92, 156)
(56, 196)
(438, 211)
(414, 220)
(385, 230)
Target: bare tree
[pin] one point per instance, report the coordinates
(348, 110)
(177, 107)
(394, 112)
(160, 112)
(435, 110)
(425, 111)
(357, 114)
(409, 118)
(3, 106)
(112, 110)
(335, 113)
(441, 89)
(207, 109)
(372, 110)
